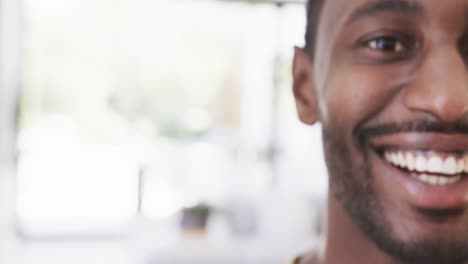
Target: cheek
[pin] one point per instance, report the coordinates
(354, 96)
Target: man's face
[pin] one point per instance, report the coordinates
(389, 80)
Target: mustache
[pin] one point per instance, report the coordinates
(419, 126)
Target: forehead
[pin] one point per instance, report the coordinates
(343, 9)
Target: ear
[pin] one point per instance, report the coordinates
(304, 87)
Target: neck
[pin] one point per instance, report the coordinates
(346, 243)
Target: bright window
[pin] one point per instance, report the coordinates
(147, 106)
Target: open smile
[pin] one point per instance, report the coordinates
(429, 169)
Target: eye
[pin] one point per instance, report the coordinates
(386, 44)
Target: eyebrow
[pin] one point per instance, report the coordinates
(375, 7)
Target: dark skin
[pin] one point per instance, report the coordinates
(388, 64)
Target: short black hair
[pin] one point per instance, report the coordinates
(313, 16)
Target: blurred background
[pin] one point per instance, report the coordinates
(154, 132)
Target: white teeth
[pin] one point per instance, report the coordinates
(401, 160)
(437, 163)
(410, 161)
(393, 158)
(460, 166)
(424, 178)
(432, 180)
(442, 181)
(450, 166)
(420, 163)
(387, 156)
(437, 180)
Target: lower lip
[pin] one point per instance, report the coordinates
(423, 195)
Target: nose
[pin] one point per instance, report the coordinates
(441, 86)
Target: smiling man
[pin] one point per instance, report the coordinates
(388, 81)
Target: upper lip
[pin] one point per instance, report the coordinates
(440, 142)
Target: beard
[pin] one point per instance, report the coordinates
(353, 185)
